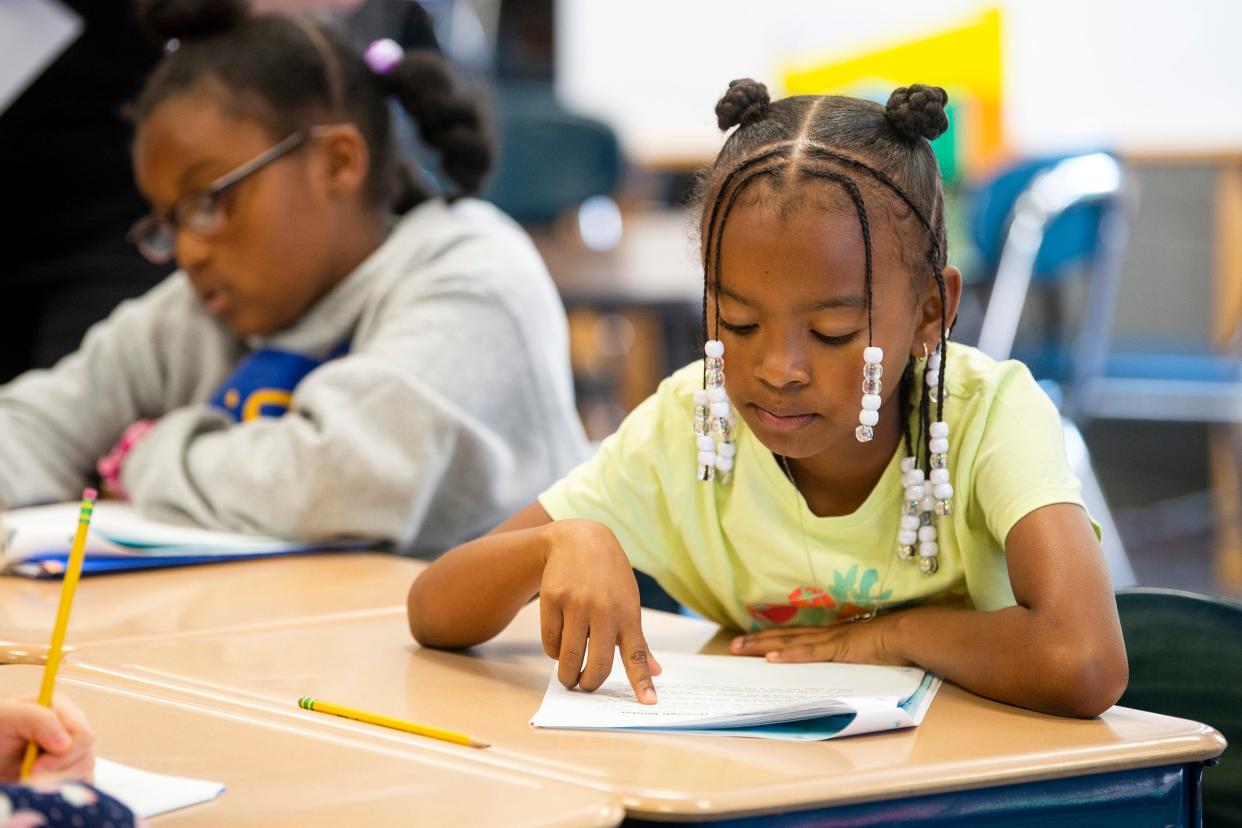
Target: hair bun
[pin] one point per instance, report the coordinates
(190, 19)
(746, 102)
(917, 111)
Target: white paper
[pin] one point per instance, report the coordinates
(118, 529)
(33, 33)
(701, 691)
(150, 794)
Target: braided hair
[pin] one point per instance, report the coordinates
(858, 146)
(290, 72)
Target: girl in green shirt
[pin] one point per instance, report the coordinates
(857, 468)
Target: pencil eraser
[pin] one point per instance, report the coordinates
(89, 494)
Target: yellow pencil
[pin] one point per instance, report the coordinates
(72, 570)
(307, 703)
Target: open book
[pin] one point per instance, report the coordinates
(746, 696)
(36, 540)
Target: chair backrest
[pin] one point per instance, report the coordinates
(1034, 222)
(549, 159)
(1185, 653)
(1069, 239)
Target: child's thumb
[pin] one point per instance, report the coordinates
(32, 721)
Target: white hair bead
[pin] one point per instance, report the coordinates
(939, 445)
(910, 522)
(871, 402)
(939, 429)
(914, 492)
(943, 491)
(873, 354)
(907, 463)
(914, 477)
(907, 537)
(868, 418)
(713, 418)
(929, 549)
(940, 476)
(927, 533)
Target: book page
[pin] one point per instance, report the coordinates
(701, 690)
(119, 529)
(148, 794)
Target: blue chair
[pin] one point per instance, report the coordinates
(1037, 223)
(550, 160)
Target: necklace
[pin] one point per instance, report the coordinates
(874, 610)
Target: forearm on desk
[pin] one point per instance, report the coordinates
(474, 591)
(1013, 655)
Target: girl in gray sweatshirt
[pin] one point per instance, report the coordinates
(316, 368)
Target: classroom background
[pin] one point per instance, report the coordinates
(1093, 175)
(1121, 287)
(1119, 282)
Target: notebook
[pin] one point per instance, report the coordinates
(149, 794)
(35, 542)
(746, 696)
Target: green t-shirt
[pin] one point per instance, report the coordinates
(750, 554)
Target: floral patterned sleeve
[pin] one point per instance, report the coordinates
(57, 804)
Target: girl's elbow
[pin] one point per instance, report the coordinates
(1092, 681)
(439, 633)
(415, 613)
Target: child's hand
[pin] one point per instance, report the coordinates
(110, 465)
(588, 592)
(855, 642)
(66, 743)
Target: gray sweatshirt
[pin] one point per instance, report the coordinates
(452, 409)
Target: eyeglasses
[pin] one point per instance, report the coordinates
(201, 212)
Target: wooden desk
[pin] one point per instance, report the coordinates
(221, 597)
(1129, 767)
(277, 775)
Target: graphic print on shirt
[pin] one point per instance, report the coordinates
(810, 606)
(262, 384)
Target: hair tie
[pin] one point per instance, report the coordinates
(383, 55)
